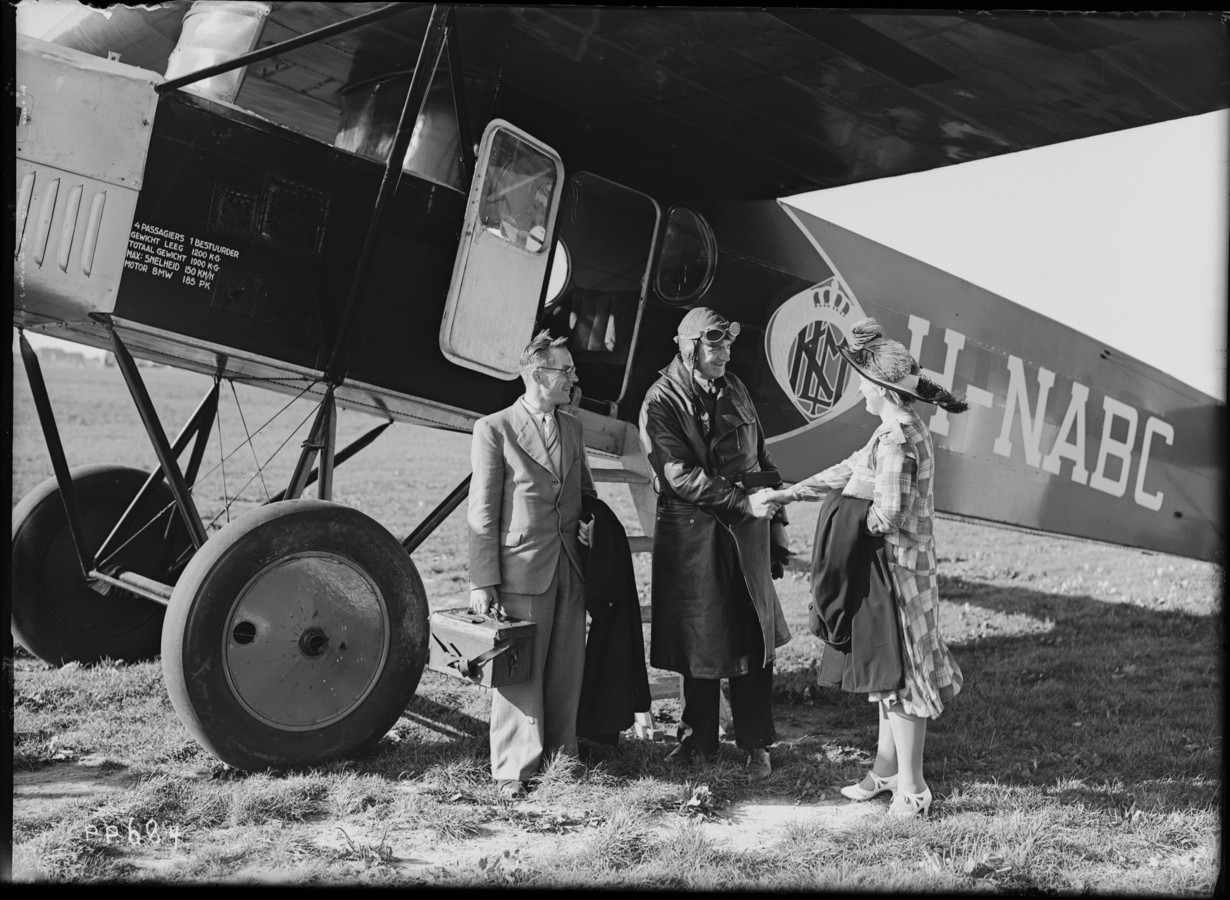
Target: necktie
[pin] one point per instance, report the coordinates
(550, 434)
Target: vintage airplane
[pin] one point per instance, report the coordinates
(376, 205)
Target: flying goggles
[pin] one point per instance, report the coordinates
(720, 335)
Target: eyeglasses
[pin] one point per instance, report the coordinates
(714, 336)
(569, 372)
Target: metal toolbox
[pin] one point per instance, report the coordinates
(481, 649)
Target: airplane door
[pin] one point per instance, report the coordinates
(504, 252)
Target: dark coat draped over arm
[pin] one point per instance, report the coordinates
(616, 683)
(853, 610)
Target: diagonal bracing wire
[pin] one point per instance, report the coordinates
(270, 421)
(259, 471)
(221, 465)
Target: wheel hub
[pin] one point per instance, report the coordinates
(313, 643)
(306, 640)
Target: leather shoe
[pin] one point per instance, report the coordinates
(684, 755)
(511, 789)
(879, 786)
(907, 806)
(758, 765)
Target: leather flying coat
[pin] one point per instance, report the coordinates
(709, 552)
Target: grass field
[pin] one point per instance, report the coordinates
(1085, 753)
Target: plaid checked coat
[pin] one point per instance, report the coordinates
(896, 469)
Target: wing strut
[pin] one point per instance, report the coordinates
(96, 568)
(158, 437)
(458, 80)
(200, 425)
(59, 462)
(437, 515)
(424, 69)
(320, 440)
(341, 456)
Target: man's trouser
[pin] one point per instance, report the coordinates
(538, 716)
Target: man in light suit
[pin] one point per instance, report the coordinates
(529, 473)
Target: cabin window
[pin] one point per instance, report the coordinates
(371, 111)
(559, 273)
(688, 259)
(517, 193)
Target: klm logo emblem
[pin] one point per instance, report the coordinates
(817, 370)
(801, 342)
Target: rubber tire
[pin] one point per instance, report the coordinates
(55, 613)
(193, 658)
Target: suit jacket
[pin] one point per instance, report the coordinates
(616, 684)
(522, 513)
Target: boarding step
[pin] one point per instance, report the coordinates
(637, 543)
(617, 476)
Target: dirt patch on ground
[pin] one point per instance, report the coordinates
(40, 792)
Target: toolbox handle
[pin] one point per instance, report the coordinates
(475, 665)
(470, 668)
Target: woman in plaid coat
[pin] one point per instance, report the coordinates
(895, 469)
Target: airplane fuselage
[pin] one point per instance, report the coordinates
(239, 239)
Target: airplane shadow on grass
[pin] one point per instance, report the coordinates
(1102, 703)
(444, 718)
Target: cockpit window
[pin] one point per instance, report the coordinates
(688, 259)
(517, 193)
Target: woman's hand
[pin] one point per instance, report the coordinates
(800, 491)
(803, 491)
(774, 496)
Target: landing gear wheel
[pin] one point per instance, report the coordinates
(296, 635)
(57, 615)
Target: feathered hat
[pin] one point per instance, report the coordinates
(890, 365)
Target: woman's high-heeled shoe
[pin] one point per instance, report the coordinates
(907, 806)
(882, 785)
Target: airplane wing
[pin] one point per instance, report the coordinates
(763, 103)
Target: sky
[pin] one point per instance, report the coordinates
(1123, 236)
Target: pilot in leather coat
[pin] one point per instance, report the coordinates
(702, 524)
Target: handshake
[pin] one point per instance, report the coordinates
(767, 501)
